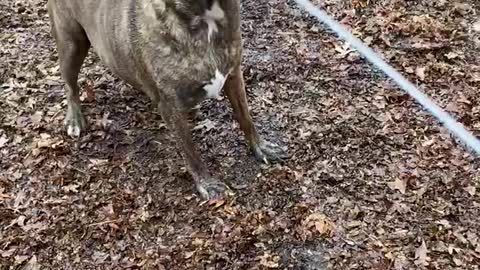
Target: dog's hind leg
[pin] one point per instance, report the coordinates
(72, 46)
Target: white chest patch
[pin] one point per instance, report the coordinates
(216, 84)
(211, 16)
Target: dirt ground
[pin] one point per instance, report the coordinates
(373, 181)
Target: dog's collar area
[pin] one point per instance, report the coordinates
(215, 85)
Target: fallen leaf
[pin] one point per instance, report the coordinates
(320, 223)
(7, 253)
(46, 141)
(445, 223)
(476, 26)
(452, 55)
(4, 197)
(353, 224)
(97, 162)
(20, 259)
(105, 120)
(421, 254)
(89, 91)
(19, 199)
(17, 175)
(420, 72)
(39, 226)
(189, 254)
(71, 188)
(269, 261)
(458, 262)
(3, 141)
(421, 191)
(216, 203)
(207, 124)
(37, 117)
(471, 190)
(398, 184)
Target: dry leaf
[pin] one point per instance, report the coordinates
(398, 184)
(320, 223)
(71, 188)
(420, 72)
(452, 55)
(207, 124)
(189, 254)
(37, 117)
(421, 191)
(32, 264)
(19, 199)
(445, 223)
(3, 141)
(476, 26)
(89, 91)
(20, 259)
(46, 141)
(471, 190)
(105, 121)
(97, 162)
(269, 261)
(216, 203)
(39, 226)
(4, 197)
(7, 253)
(421, 254)
(458, 262)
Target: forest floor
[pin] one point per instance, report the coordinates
(373, 181)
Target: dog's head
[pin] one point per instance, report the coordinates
(187, 18)
(188, 11)
(191, 8)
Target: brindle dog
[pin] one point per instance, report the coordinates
(178, 52)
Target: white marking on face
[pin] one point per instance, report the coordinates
(212, 15)
(216, 84)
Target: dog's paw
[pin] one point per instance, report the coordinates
(211, 189)
(266, 152)
(74, 123)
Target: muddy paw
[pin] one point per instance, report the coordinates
(266, 151)
(74, 123)
(212, 189)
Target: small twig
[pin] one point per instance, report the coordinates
(5, 197)
(79, 170)
(104, 222)
(55, 115)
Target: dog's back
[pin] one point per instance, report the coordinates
(107, 26)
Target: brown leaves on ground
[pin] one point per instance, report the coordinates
(317, 224)
(373, 181)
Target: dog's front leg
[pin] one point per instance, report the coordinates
(208, 186)
(235, 91)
